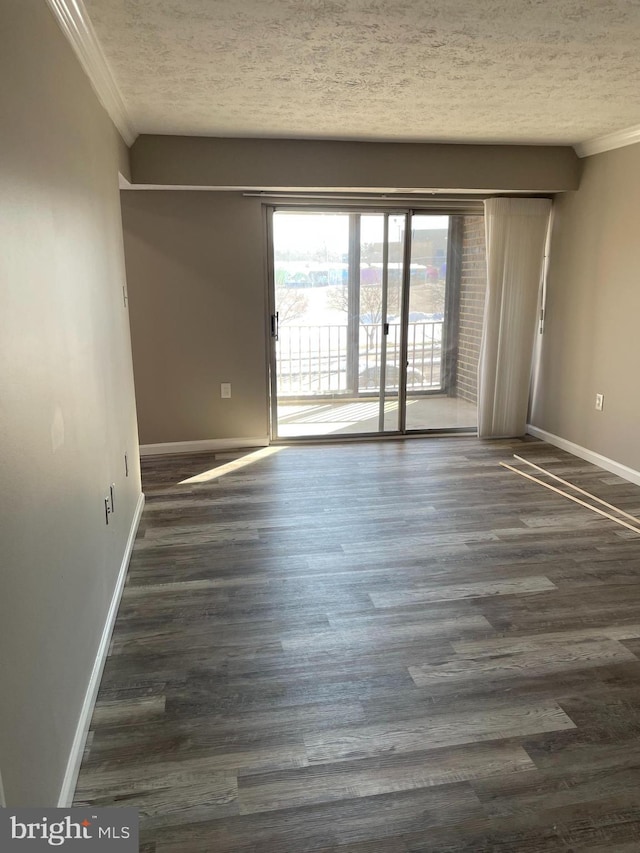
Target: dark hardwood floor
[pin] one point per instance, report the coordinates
(393, 647)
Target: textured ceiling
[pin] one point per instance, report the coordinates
(539, 71)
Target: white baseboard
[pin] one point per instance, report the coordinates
(611, 465)
(82, 729)
(207, 444)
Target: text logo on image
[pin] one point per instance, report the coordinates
(103, 830)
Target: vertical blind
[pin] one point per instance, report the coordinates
(516, 230)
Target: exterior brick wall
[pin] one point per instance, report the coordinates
(473, 285)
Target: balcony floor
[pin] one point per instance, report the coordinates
(353, 417)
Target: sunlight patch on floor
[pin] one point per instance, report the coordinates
(234, 465)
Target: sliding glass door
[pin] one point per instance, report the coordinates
(365, 315)
(336, 297)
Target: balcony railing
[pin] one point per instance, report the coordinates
(312, 360)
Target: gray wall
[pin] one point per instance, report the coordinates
(196, 260)
(591, 342)
(197, 288)
(67, 411)
(294, 164)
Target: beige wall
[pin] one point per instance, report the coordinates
(67, 411)
(284, 163)
(591, 342)
(197, 286)
(196, 272)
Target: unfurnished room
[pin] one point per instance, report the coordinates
(320, 507)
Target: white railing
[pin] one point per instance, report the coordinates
(312, 360)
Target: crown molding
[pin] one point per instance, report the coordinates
(75, 23)
(598, 144)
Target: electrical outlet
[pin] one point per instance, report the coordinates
(225, 390)
(107, 509)
(599, 402)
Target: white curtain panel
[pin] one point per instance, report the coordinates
(516, 230)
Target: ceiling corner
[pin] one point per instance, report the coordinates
(74, 21)
(619, 139)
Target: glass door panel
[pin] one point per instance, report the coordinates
(395, 267)
(311, 294)
(433, 401)
(329, 324)
(371, 340)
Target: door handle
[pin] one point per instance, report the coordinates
(274, 326)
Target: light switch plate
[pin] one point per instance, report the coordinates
(225, 390)
(599, 402)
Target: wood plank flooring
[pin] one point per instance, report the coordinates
(394, 647)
